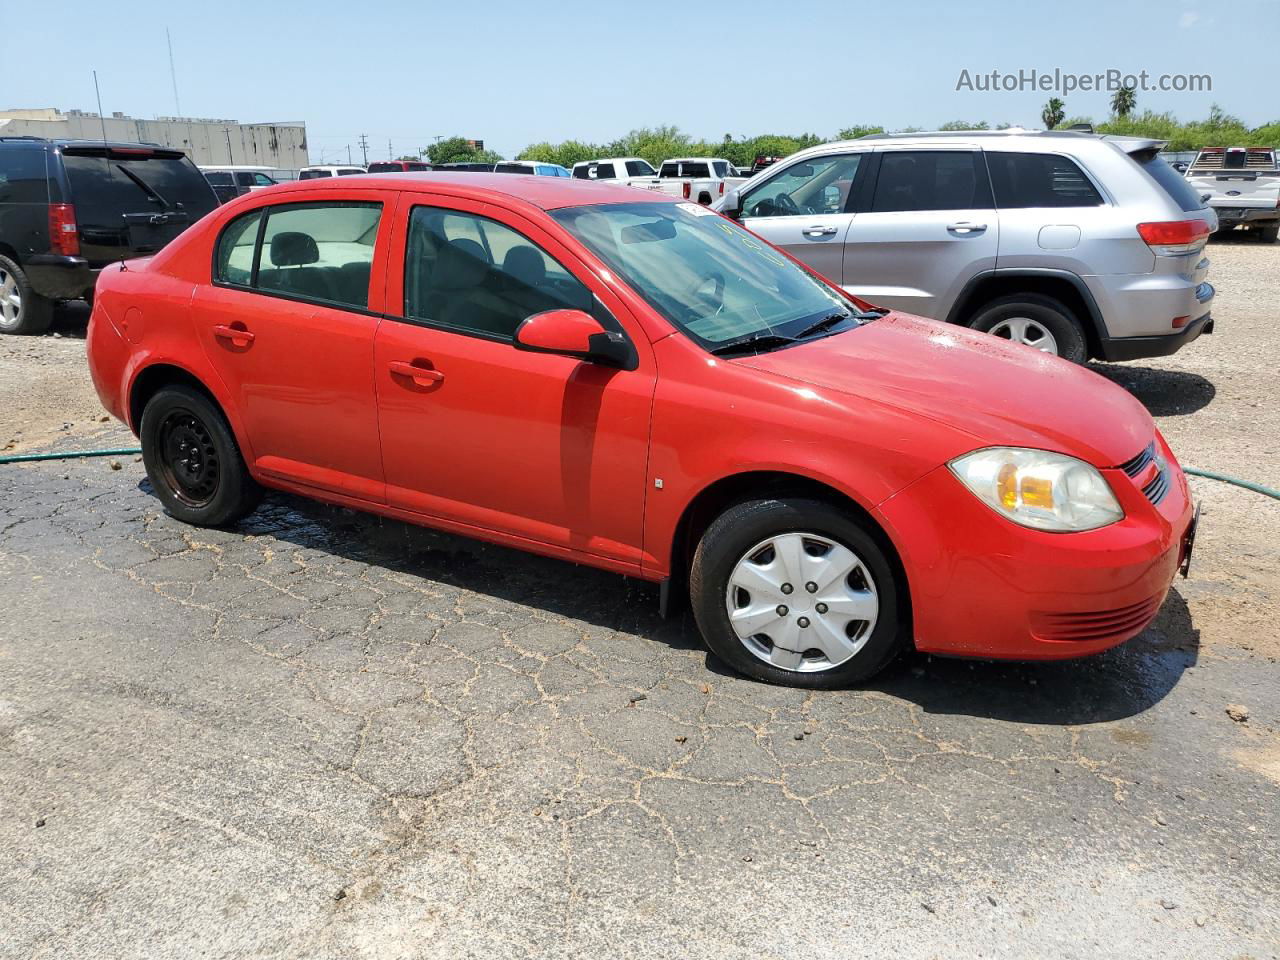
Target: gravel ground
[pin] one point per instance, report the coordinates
(327, 735)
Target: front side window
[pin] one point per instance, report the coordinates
(821, 185)
(931, 180)
(722, 168)
(605, 171)
(1023, 180)
(262, 180)
(308, 251)
(639, 168)
(708, 276)
(475, 275)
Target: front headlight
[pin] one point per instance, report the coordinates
(1039, 489)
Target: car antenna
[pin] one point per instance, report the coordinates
(106, 151)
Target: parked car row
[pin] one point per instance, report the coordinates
(1242, 185)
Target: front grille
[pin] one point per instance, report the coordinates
(1119, 624)
(1134, 466)
(1156, 486)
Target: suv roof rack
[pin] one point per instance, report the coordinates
(26, 137)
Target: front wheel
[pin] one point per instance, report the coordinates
(796, 592)
(1035, 321)
(193, 461)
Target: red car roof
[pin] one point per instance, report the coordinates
(549, 193)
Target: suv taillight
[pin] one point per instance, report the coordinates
(688, 189)
(64, 235)
(1175, 238)
(722, 188)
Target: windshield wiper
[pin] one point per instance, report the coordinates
(146, 187)
(826, 323)
(756, 343)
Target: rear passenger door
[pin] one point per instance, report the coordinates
(928, 226)
(288, 323)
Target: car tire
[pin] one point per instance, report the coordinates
(1035, 320)
(1269, 233)
(22, 310)
(193, 461)
(853, 622)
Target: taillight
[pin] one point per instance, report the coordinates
(688, 189)
(1175, 238)
(64, 235)
(722, 188)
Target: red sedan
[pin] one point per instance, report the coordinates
(636, 383)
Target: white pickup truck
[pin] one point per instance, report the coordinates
(704, 179)
(625, 171)
(1243, 184)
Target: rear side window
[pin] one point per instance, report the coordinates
(23, 177)
(605, 171)
(931, 180)
(349, 171)
(386, 166)
(220, 178)
(307, 251)
(478, 276)
(669, 169)
(1170, 180)
(1025, 180)
(311, 174)
(582, 172)
(695, 170)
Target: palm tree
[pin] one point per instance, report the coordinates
(1123, 101)
(1053, 113)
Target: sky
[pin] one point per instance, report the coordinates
(514, 73)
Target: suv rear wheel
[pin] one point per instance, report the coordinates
(796, 592)
(22, 310)
(1270, 233)
(1036, 321)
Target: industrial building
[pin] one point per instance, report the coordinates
(206, 142)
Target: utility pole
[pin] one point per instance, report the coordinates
(364, 148)
(173, 74)
(389, 156)
(348, 153)
(231, 157)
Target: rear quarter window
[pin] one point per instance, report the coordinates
(23, 177)
(1022, 180)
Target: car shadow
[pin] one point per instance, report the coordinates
(70, 319)
(1165, 393)
(1119, 683)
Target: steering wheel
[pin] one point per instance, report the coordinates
(786, 205)
(705, 292)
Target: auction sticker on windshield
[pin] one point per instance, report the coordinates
(696, 210)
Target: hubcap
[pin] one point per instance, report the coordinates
(10, 299)
(188, 458)
(1027, 331)
(802, 631)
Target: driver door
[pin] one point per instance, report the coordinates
(806, 208)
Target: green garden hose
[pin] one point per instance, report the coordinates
(80, 454)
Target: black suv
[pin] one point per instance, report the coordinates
(70, 207)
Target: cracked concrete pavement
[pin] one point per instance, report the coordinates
(326, 735)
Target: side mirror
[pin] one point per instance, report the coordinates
(732, 206)
(575, 333)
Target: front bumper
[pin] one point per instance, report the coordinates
(983, 586)
(60, 278)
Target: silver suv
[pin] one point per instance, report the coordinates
(1080, 245)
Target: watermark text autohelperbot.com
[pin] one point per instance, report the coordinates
(1063, 82)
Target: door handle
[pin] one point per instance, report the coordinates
(966, 227)
(819, 230)
(422, 376)
(237, 335)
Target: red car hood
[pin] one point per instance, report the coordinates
(1002, 393)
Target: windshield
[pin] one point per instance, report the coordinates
(707, 275)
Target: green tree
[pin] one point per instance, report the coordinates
(858, 130)
(459, 150)
(1053, 113)
(1123, 102)
(965, 125)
